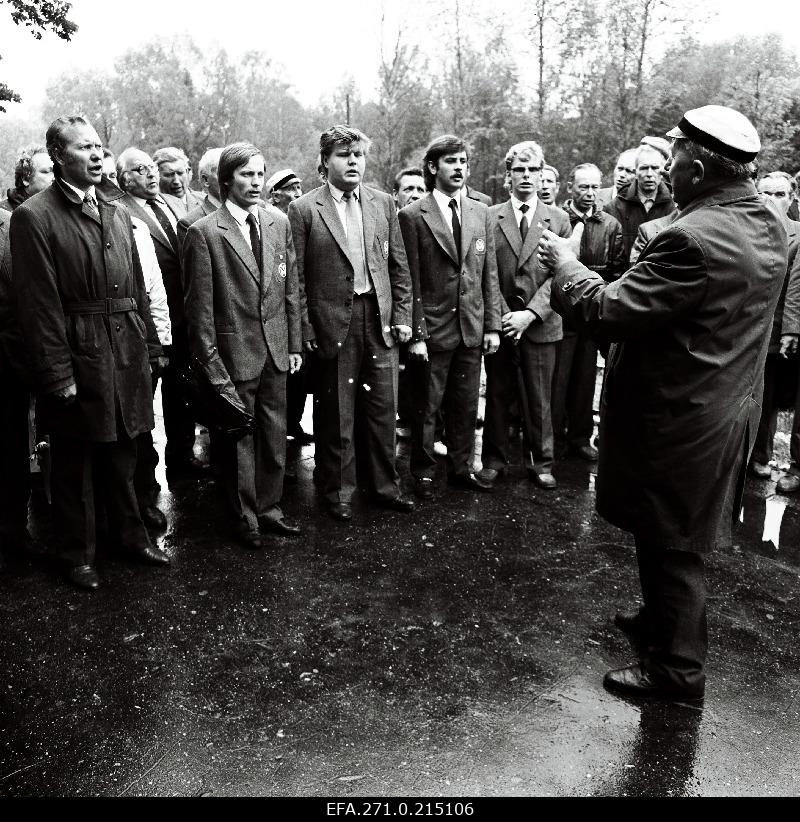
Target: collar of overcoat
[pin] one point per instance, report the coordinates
(233, 236)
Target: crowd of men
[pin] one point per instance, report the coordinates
(116, 275)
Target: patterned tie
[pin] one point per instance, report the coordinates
(355, 243)
(255, 241)
(523, 223)
(456, 228)
(166, 225)
(92, 204)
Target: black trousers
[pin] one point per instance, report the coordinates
(144, 478)
(674, 616)
(358, 387)
(521, 373)
(450, 381)
(178, 417)
(573, 392)
(15, 469)
(85, 476)
(765, 438)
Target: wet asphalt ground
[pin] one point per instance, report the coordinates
(458, 651)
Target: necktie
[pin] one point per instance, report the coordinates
(166, 225)
(355, 244)
(648, 204)
(456, 227)
(92, 203)
(523, 223)
(255, 241)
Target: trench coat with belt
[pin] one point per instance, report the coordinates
(680, 407)
(84, 313)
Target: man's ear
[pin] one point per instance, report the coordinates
(698, 172)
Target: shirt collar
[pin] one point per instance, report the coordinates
(338, 194)
(645, 197)
(81, 195)
(533, 202)
(443, 199)
(143, 201)
(240, 214)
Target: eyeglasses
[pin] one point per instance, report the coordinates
(144, 169)
(531, 169)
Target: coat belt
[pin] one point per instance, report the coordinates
(118, 305)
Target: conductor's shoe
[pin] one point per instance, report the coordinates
(150, 554)
(83, 576)
(635, 681)
(760, 470)
(546, 481)
(153, 517)
(341, 511)
(489, 475)
(279, 526)
(586, 452)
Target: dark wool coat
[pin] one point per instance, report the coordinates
(629, 212)
(67, 268)
(680, 407)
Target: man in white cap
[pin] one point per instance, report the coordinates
(689, 325)
(282, 188)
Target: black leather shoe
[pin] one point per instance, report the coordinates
(279, 526)
(150, 554)
(300, 436)
(190, 465)
(248, 538)
(469, 482)
(546, 481)
(586, 452)
(398, 503)
(153, 517)
(423, 487)
(342, 511)
(84, 577)
(635, 681)
(489, 475)
(760, 470)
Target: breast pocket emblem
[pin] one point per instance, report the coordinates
(282, 271)
(480, 245)
(385, 248)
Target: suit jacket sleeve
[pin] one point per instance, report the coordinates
(399, 275)
(491, 284)
(293, 312)
(616, 254)
(199, 304)
(670, 281)
(41, 313)
(408, 228)
(297, 222)
(540, 302)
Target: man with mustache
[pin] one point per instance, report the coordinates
(450, 247)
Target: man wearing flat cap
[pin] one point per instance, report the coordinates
(689, 326)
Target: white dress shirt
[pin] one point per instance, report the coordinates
(90, 192)
(443, 201)
(240, 215)
(518, 213)
(153, 281)
(341, 205)
(164, 207)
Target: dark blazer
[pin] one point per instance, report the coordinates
(237, 318)
(683, 384)
(523, 282)
(205, 208)
(326, 272)
(478, 196)
(64, 262)
(170, 264)
(451, 304)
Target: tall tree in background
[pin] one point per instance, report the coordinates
(39, 16)
(93, 94)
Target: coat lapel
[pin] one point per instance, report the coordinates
(233, 236)
(539, 223)
(435, 222)
(330, 216)
(507, 220)
(469, 223)
(267, 249)
(369, 219)
(146, 216)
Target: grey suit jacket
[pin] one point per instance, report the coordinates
(326, 272)
(237, 317)
(451, 303)
(193, 200)
(523, 282)
(205, 208)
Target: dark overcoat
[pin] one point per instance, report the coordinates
(84, 313)
(452, 303)
(680, 406)
(523, 282)
(236, 317)
(326, 271)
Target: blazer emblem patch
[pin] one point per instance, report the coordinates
(385, 248)
(282, 271)
(480, 245)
